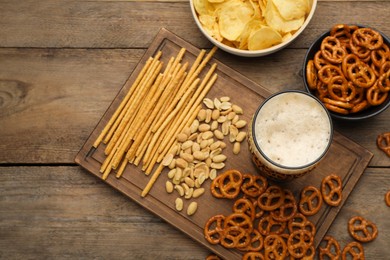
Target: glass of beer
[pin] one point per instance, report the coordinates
(290, 133)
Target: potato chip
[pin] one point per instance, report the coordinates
(291, 9)
(203, 7)
(263, 38)
(210, 24)
(233, 16)
(276, 21)
(251, 26)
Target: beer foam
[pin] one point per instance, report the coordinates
(292, 129)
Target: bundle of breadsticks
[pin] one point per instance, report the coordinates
(161, 102)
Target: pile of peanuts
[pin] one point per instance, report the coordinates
(198, 154)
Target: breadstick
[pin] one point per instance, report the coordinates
(123, 103)
(115, 131)
(122, 148)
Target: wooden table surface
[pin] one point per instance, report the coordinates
(61, 65)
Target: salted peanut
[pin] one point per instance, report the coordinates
(217, 103)
(219, 158)
(217, 166)
(226, 112)
(199, 155)
(208, 115)
(179, 204)
(215, 114)
(203, 144)
(172, 173)
(215, 145)
(181, 137)
(215, 152)
(195, 147)
(225, 127)
(187, 131)
(241, 136)
(181, 163)
(179, 189)
(225, 99)
(238, 110)
(186, 172)
(222, 145)
(169, 186)
(192, 208)
(187, 144)
(175, 149)
(201, 168)
(187, 151)
(167, 159)
(235, 119)
(197, 184)
(208, 161)
(187, 156)
(177, 178)
(214, 125)
(233, 132)
(202, 115)
(226, 105)
(189, 193)
(208, 103)
(204, 127)
(236, 148)
(185, 187)
(213, 174)
(218, 134)
(193, 137)
(202, 177)
(189, 181)
(194, 126)
(240, 123)
(231, 115)
(172, 165)
(221, 119)
(198, 192)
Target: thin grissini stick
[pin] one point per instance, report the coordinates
(160, 167)
(127, 120)
(122, 148)
(148, 167)
(158, 133)
(185, 115)
(203, 64)
(122, 104)
(129, 109)
(194, 66)
(178, 109)
(148, 112)
(173, 101)
(131, 101)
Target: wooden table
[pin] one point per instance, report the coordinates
(61, 65)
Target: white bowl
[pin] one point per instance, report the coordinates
(257, 53)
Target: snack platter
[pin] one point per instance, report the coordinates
(248, 95)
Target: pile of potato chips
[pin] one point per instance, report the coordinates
(252, 24)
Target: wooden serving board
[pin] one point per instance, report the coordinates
(345, 158)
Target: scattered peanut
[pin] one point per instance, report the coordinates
(192, 208)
